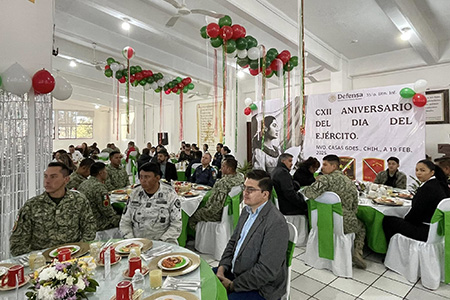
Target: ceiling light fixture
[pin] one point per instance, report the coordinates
(97, 106)
(406, 33)
(240, 74)
(73, 64)
(125, 24)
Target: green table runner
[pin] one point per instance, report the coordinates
(373, 220)
(181, 176)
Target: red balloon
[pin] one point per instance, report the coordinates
(139, 76)
(268, 71)
(180, 85)
(226, 33)
(43, 82)
(122, 80)
(254, 72)
(238, 31)
(167, 91)
(245, 67)
(107, 67)
(276, 64)
(147, 73)
(213, 30)
(132, 78)
(284, 56)
(419, 100)
(247, 111)
(175, 89)
(186, 81)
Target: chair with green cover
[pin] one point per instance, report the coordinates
(132, 161)
(328, 247)
(212, 237)
(289, 255)
(428, 260)
(103, 157)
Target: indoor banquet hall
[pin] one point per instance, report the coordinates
(202, 150)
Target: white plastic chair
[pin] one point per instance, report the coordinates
(289, 255)
(341, 264)
(413, 259)
(103, 157)
(194, 167)
(212, 237)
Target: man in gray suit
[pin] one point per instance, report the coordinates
(253, 265)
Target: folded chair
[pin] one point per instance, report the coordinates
(428, 260)
(212, 237)
(328, 247)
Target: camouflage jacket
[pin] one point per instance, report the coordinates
(155, 218)
(42, 224)
(399, 180)
(97, 195)
(117, 178)
(75, 181)
(345, 188)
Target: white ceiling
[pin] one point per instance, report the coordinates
(330, 28)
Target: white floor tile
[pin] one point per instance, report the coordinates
(330, 293)
(307, 285)
(420, 294)
(299, 266)
(298, 251)
(393, 275)
(443, 290)
(376, 294)
(349, 286)
(294, 275)
(376, 257)
(324, 276)
(392, 286)
(374, 267)
(297, 295)
(364, 276)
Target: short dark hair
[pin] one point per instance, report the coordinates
(332, 158)
(187, 145)
(310, 162)
(231, 163)
(443, 161)
(163, 152)
(206, 153)
(394, 159)
(64, 169)
(61, 151)
(96, 168)
(151, 167)
(220, 144)
(285, 156)
(87, 162)
(113, 153)
(226, 149)
(206, 146)
(228, 156)
(263, 178)
(71, 146)
(146, 151)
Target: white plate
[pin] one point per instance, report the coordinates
(73, 249)
(178, 266)
(170, 297)
(124, 244)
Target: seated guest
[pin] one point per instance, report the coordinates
(334, 181)
(186, 154)
(152, 152)
(217, 161)
(131, 148)
(95, 191)
(304, 175)
(290, 202)
(108, 148)
(93, 148)
(205, 148)
(65, 159)
(433, 189)
(115, 148)
(144, 158)
(81, 174)
(75, 155)
(153, 210)
(196, 160)
(212, 211)
(56, 217)
(225, 151)
(253, 265)
(149, 146)
(117, 175)
(168, 169)
(205, 174)
(392, 176)
(444, 164)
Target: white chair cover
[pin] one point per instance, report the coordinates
(128, 166)
(414, 259)
(103, 156)
(343, 243)
(107, 234)
(292, 238)
(301, 224)
(212, 237)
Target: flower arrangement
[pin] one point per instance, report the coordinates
(69, 280)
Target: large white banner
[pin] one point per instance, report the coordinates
(364, 128)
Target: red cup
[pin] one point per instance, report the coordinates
(134, 263)
(124, 290)
(112, 255)
(10, 278)
(64, 255)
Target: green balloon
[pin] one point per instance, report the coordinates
(270, 75)
(243, 61)
(272, 51)
(143, 82)
(150, 79)
(191, 86)
(119, 74)
(158, 90)
(254, 64)
(231, 46)
(133, 70)
(166, 87)
(178, 79)
(225, 21)
(185, 89)
(135, 83)
(110, 60)
(251, 42)
(160, 76)
(294, 61)
(216, 42)
(170, 84)
(241, 43)
(407, 93)
(253, 106)
(0, 81)
(108, 73)
(138, 69)
(203, 32)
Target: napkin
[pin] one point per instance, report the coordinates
(172, 283)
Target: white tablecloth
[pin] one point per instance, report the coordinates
(395, 211)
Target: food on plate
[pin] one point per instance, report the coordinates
(187, 194)
(119, 192)
(127, 247)
(171, 261)
(388, 201)
(404, 195)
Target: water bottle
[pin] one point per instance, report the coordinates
(39, 261)
(138, 280)
(133, 253)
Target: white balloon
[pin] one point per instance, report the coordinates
(160, 82)
(248, 101)
(154, 85)
(147, 86)
(420, 86)
(114, 67)
(16, 80)
(242, 53)
(63, 89)
(122, 67)
(253, 53)
(232, 54)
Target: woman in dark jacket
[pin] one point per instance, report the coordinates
(433, 189)
(305, 172)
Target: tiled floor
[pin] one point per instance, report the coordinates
(376, 282)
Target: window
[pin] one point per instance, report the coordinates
(75, 124)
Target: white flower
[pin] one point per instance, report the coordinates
(45, 293)
(61, 275)
(47, 273)
(80, 284)
(69, 280)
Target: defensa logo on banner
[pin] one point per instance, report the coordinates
(364, 128)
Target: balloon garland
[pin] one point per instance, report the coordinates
(418, 98)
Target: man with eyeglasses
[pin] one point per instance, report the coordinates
(253, 265)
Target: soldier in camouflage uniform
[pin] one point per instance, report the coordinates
(56, 217)
(117, 175)
(335, 181)
(95, 191)
(81, 174)
(153, 210)
(212, 211)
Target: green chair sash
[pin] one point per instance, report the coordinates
(443, 229)
(212, 288)
(325, 226)
(274, 196)
(290, 253)
(233, 207)
(103, 158)
(134, 169)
